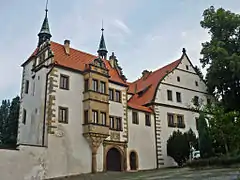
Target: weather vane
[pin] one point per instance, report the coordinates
(46, 6)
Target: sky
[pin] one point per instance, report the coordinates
(144, 34)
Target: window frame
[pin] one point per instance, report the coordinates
(86, 117)
(135, 115)
(62, 119)
(196, 101)
(26, 90)
(196, 83)
(24, 117)
(171, 124)
(95, 115)
(147, 119)
(64, 79)
(111, 124)
(178, 79)
(95, 85)
(178, 98)
(169, 94)
(104, 120)
(116, 97)
(86, 85)
(109, 91)
(118, 124)
(102, 87)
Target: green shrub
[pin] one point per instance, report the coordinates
(215, 161)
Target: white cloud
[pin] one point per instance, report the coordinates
(121, 25)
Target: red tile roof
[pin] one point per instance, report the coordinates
(144, 88)
(77, 60)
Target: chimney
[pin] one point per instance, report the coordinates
(67, 46)
(145, 74)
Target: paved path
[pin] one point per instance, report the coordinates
(166, 174)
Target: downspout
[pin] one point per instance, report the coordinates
(45, 102)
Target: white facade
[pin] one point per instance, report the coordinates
(142, 141)
(188, 88)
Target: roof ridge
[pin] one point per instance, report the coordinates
(94, 56)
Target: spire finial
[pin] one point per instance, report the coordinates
(102, 26)
(46, 7)
(184, 51)
(44, 33)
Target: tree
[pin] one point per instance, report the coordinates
(191, 138)
(224, 129)
(222, 55)
(9, 113)
(178, 147)
(205, 144)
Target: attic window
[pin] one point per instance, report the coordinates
(196, 83)
(178, 79)
(187, 67)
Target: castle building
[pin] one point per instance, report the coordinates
(82, 110)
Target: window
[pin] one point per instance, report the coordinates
(169, 95)
(118, 96)
(38, 77)
(119, 123)
(86, 85)
(102, 87)
(64, 82)
(103, 117)
(178, 79)
(196, 120)
(208, 101)
(95, 116)
(196, 100)
(63, 115)
(135, 117)
(33, 89)
(180, 121)
(111, 122)
(147, 120)
(111, 95)
(196, 83)
(95, 85)
(86, 117)
(24, 117)
(187, 67)
(178, 95)
(170, 120)
(26, 86)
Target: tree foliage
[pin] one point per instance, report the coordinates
(178, 145)
(222, 55)
(224, 129)
(205, 142)
(9, 113)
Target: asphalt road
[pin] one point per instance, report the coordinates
(166, 174)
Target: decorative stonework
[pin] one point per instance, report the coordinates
(121, 147)
(125, 115)
(115, 136)
(160, 160)
(51, 106)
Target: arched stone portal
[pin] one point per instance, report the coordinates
(133, 160)
(114, 160)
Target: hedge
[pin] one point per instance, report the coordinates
(215, 161)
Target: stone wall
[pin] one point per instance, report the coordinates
(36, 163)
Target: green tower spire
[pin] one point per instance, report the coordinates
(44, 33)
(102, 50)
